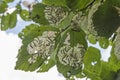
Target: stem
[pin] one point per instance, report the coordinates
(65, 28)
(89, 5)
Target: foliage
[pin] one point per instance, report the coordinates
(60, 35)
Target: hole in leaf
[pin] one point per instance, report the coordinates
(93, 63)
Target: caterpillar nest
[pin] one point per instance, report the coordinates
(72, 56)
(77, 18)
(41, 46)
(55, 14)
(117, 44)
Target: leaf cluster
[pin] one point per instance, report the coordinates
(78, 22)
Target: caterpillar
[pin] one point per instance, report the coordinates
(76, 21)
(72, 56)
(41, 46)
(33, 59)
(55, 14)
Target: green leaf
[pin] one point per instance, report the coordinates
(9, 21)
(106, 20)
(13, 20)
(36, 29)
(103, 42)
(59, 42)
(114, 2)
(18, 8)
(77, 37)
(114, 60)
(22, 62)
(66, 70)
(3, 6)
(7, 1)
(92, 64)
(5, 22)
(27, 35)
(38, 14)
(25, 15)
(110, 68)
(78, 4)
(92, 39)
(106, 72)
(55, 2)
(80, 75)
(46, 65)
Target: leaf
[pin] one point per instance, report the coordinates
(80, 75)
(18, 8)
(22, 62)
(78, 4)
(7, 1)
(25, 15)
(27, 35)
(114, 60)
(5, 22)
(114, 2)
(77, 37)
(3, 6)
(92, 39)
(13, 20)
(46, 65)
(38, 14)
(110, 68)
(106, 20)
(55, 2)
(59, 42)
(66, 70)
(92, 64)
(106, 72)
(103, 42)
(9, 21)
(36, 29)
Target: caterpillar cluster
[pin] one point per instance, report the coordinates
(72, 56)
(41, 46)
(55, 14)
(76, 21)
(33, 58)
(117, 44)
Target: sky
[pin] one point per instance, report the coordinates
(9, 45)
